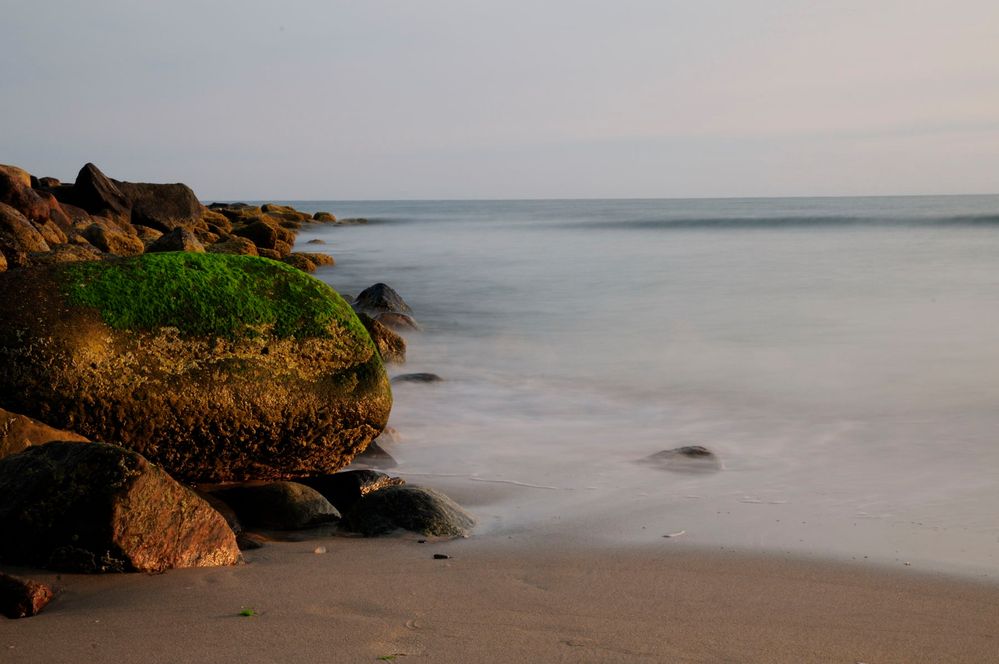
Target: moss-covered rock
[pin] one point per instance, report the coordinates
(218, 367)
(100, 508)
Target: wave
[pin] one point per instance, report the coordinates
(981, 220)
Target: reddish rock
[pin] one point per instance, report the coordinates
(110, 238)
(16, 191)
(22, 598)
(101, 508)
(17, 235)
(51, 232)
(19, 432)
(179, 239)
(318, 259)
(300, 262)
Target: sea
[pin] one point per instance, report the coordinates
(838, 356)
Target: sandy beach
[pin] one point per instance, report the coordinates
(513, 601)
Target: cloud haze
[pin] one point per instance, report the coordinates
(467, 99)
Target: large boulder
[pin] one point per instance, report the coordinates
(100, 508)
(179, 239)
(278, 505)
(109, 237)
(381, 298)
(16, 191)
(96, 193)
(162, 206)
(18, 432)
(217, 367)
(17, 235)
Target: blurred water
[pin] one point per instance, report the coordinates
(839, 355)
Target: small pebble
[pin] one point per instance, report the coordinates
(441, 556)
(421, 541)
(320, 549)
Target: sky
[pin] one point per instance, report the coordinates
(378, 99)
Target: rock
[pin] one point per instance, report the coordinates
(217, 367)
(441, 556)
(375, 457)
(22, 598)
(179, 239)
(285, 212)
(417, 378)
(97, 194)
(101, 508)
(260, 233)
(420, 510)
(317, 258)
(110, 238)
(50, 232)
(325, 217)
(239, 246)
(269, 253)
(390, 345)
(352, 221)
(68, 253)
(17, 235)
(300, 262)
(3, 262)
(162, 206)
(381, 298)
(147, 235)
(249, 541)
(345, 488)
(16, 191)
(689, 459)
(316, 240)
(226, 512)
(216, 222)
(397, 321)
(18, 432)
(283, 248)
(278, 505)
(48, 182)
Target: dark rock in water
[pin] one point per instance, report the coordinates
(391, 346)
(690, 459)
(179, 239)
(374, 456)
(345, 488)
(218, 367)
(99, 508)
(381, 298)
(18, 432)
(398, 321)
(420, 510)
(21, 598)
(162, 206)
(316, 241)
(278, 505)
(417, 378)
(325, 217)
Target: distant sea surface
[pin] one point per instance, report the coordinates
(841, 356)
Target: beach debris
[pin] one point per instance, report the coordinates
(345, 488)
(248, 613)
(319, 550)
(441, 556)
(417, 378)
(408, 507)
(92, 507)
(676, 534)
(687, 459)
(277, 505)
(22, 598)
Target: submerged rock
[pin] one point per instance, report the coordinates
(22, 598)
(374, 456)
(381, 298)
(417, 378)
(420, 510)
(689, 459)
(391, 346)
(397, 321)
(217, 367)
(100, 508)
(278, 505)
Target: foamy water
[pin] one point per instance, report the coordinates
(839, 355)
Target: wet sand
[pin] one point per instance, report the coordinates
(516, 600)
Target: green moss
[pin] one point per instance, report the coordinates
(210, 295)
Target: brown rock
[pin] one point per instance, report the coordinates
(110, 238)
(22, 598)
(51, 232)
(97, 194)
(179, 239)
(163, 206)
(391, 346)
(234, 245)
(17, 235)
(300, 262)
(285, 212)
(278, 505)
(262, 234)
(318, 259)
(146, 234)
(269, 253)
(16, 191)
(345, 488)
(324, 217)
(68, 253)
(3, 262)
(19, 432)
(101, 508)
(398, 321)
(48, 182)
(216, 220)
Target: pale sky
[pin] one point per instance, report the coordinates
(377, 99)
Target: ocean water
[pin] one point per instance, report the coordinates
(840, 356)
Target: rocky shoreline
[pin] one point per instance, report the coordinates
(175, 385)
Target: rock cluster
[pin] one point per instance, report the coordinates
(44, 221)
